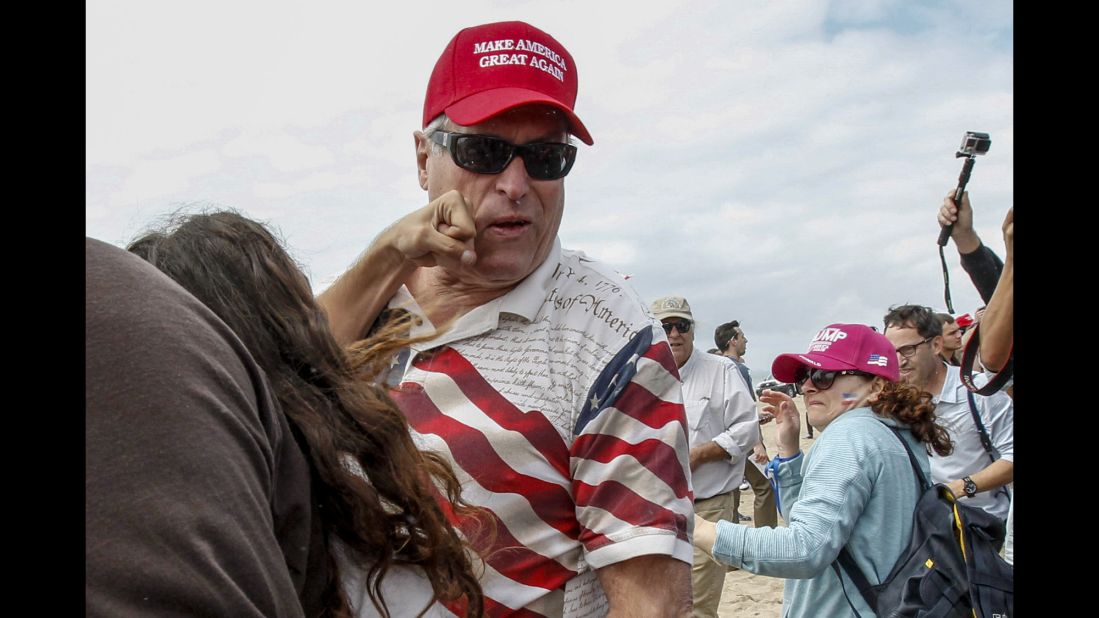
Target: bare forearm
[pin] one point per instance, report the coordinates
(996, 330)
(356, 299)
(647, 586)
(996, 475)
(710, 451)
(439, 234)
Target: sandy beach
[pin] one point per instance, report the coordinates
(748, 595)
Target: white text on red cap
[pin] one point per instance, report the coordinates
(531, 59)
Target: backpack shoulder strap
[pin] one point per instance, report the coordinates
(922, 484)
(847, 561)
(854, 573)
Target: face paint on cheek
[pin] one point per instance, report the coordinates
(849, 398)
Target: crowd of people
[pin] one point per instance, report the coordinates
(453, 428)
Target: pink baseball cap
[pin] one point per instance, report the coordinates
(840, 347)
(489, 69)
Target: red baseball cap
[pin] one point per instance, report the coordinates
(965, 320)
(840, 347)
(489, 69)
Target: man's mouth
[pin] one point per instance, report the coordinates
(509, 227)
(511, 222)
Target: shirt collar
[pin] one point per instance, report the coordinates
(525, 300)
(692, 360)
(952, 385)
(866, 411)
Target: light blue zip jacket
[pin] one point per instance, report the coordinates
(854, 487)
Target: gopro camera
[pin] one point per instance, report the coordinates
(974, 144)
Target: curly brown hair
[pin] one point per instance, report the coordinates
(376, 492)
(913, 407)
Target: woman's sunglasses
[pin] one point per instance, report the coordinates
(823, 379)
(491, 155)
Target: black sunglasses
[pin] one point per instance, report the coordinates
(683, 326)
(823, 379)
(490, 155)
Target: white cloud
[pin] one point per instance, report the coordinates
(313, 182)
(154, 178)
(284, 152)
(777, 162)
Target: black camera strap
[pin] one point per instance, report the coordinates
(946, 281)
(969, 354)
(986, 441)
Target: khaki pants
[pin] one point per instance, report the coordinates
(708, 575)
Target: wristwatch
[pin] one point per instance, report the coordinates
(970, 487)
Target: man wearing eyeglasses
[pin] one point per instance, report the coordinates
(544, 381)
(723, 426)
(975, 472)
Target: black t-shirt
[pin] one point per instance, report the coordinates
(197, 495)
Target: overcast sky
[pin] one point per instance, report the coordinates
(780, 163)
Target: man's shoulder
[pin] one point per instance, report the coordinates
(715, 362)
(954, 384)
(954, 390)
(711, 371)
(587, 271)
(998, 402)
(582, 288)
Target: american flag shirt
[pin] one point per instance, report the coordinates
(559, 406)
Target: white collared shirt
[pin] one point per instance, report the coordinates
(969, 456)
(719, 409)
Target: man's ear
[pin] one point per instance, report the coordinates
(937, 345)
(423, 151)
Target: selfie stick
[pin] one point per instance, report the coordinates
(963, 179)
(973, 144)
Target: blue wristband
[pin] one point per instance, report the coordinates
(772, 472)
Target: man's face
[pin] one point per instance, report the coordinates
(740, 343)
(952, 337)
(517, 217)
(683, 344)
(919, 368)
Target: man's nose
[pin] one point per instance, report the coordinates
(513, 182)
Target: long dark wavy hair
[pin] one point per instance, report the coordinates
(913, 407)
(387, 512)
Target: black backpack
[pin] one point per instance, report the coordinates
(952, 566)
